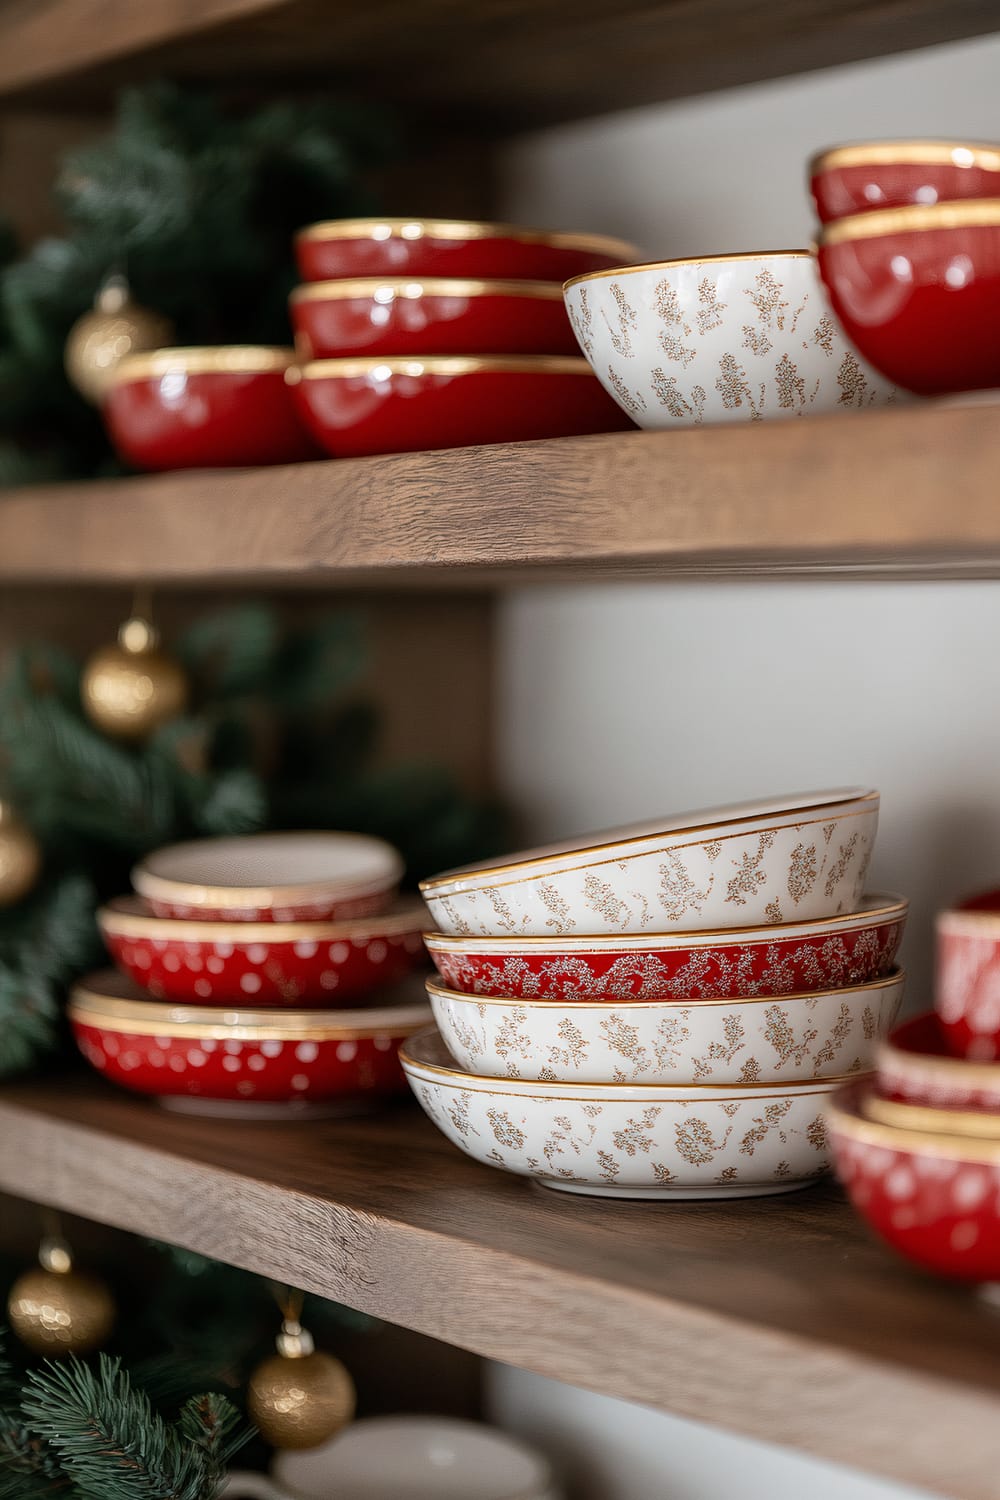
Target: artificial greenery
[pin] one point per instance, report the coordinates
(196, 203)
(278, 735)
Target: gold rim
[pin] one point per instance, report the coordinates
(415, 286)
(937, 1121)
(874, 916)
(907, 153)
(124, 923)
(480, 873)
(439, 364)
(233, 359)
(688, 260)
(968, 923)
(460, 229)
(967, 213)
(883, 982)
(192, 893)
(847, 1120)
(150, 1018)
(929, 1065)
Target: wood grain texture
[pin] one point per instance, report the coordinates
(909, 492)
(773, 1317)
(505, 63)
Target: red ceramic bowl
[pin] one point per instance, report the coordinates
(271, 877)
(355, 407)
(918, 292)
(449, 247)
(205, 409)
(787, 959)
(244, 1056)
(890, 174)
(914, 1067)
(967, 992)
(443, 316)
(934, 1198)
(262, 963)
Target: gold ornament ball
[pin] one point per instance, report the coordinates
(131, 688)
(100, 339)
(301, 1402)
(20, 858)
(65, 1312)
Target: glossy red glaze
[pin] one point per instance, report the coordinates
(921, 306)
(433, 317)
(915, 1066)
(385, 410)
(273, 964)
(934, 1199)
(967, 989)
(205, 419)
(841, 190)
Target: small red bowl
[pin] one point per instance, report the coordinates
(262, 963)
(914, 1067)
(355, 407)
(447, 247)
(934, 1198)
(967, 991)
(271, 877)
(205, 409)
(891, 174)
(248, 1057)
(443, 316)
(918, 292)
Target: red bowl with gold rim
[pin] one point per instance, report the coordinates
(248, 1057)
(262, 963)
(890, 174)
(355, 407)
(917, 290)
(915, 1067)
(444, 315)
(934, 1198)
(205, 409)
(450, 247)
(967, 988)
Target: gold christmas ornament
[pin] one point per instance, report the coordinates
(114, 327)
(54, 1309)
(133, 687)
(20, 857)
(298, 1398)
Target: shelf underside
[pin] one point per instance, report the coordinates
(774, 1317)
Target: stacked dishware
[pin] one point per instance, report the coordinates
(918, 1148)
(661, 1011)
(229, 956)
(419, 333)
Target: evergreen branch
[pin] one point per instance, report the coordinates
(214, 1427)
(29, 1018)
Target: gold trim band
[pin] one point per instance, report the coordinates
(883, 982)
(150, 1018)
(847, 1119)
(412, 287)
(914, 218)
(971, 923)
(228, 359)
(907, 153)
(688, 260)
(439, 364)
(937, 1121)
(460, 229)
(138, 924)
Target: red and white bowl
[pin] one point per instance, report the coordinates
(262, 963)
(781, 960)
(934, 1198)
(271, 877)
(915, 1067)
(246, 1057)
(967, 991)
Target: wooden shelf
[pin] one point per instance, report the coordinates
(774, 1317)
(504, 65)
(907, 493)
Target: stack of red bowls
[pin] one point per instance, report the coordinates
(420, 333)
(909, 249)
(229, 957)
(919, 1150)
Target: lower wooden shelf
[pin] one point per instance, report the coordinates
(774, 1317)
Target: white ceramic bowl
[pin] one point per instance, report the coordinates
(728, 338)
(627, 1140)
(753, 863)
(790, 1039)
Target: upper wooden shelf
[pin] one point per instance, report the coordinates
(908, 493)
(499, 63)
(776, 1317)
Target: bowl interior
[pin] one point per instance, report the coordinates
(278, 861)
(923, 1039)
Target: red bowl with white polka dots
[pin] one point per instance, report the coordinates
(914, 1067)
(248, 1056)
(262, 963)
(934, 1198)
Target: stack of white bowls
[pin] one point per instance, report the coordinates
(661, 1011)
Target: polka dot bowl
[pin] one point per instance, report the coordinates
(934, 1198)
(265, 963)
(914, 1068)
(251, 1057)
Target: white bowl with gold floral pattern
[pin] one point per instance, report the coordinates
(789, 859)
(727, 338)
(786, 1039)
(627, 1140)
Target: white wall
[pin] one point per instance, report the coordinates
(620, 702)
